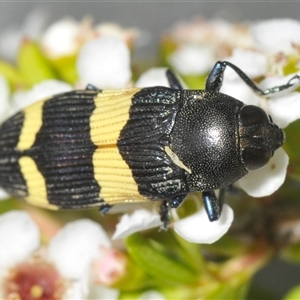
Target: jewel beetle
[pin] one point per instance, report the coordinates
(98, 148)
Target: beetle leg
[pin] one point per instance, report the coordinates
(233, 190)
(165, 210)
(213, 205)
(104, 209)
(165, 215)
(176, 201)
(173, 80)
(91, 87)
(215, 79)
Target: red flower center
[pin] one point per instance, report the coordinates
(31, 281)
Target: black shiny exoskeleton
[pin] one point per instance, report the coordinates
(100, 148)
(218, 139)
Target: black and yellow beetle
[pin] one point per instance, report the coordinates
(103, 147)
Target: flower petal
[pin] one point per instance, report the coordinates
(273, 81)
(254, 64)
(153, 77)
(285, 110)
(40, 91)
(113, 29)
(267, 180)
(276, 35)
(105, 63)
(239, 90)
(110, 268)
(75, 245)
(19, 237)
(100, 292)
(77, 289)
(198, 229)
(3, 194)
(139, 220)
(192, 59)
(283, 106)
(61, 38)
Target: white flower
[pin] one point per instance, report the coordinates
(202, 31)
(61, 38)
(189, 227)
(115, 30)
(73, 250)
(192, 59)
(276, 35)
(254, 64)
(240, 91)
(221, 35)
(284, 107)
(156, 77)
(140, 219)
(105, 63)
(153, 77)
(100, 292)
(71, 254)
(267, 180)
(198, 229)
(19, 238)
(3, 194)
(40, 91)
(74, 247)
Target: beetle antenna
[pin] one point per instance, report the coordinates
(215, 80)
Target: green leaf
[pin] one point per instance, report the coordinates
(226, 246)
(134, 278)
(156, 263)
(33, 65)
(291, 253)
(12, 75)
(233, 289)
(257, 292)
(66, 68)
(293, 294)
(184, 251)
(194, 81)
(292, 147)
(191, 254)
(292, 65)
(167, 47)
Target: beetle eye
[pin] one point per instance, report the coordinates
(252, 114)
(255, 158)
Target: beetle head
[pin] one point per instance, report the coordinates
(259, 137)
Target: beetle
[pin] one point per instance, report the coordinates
(98, 148)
